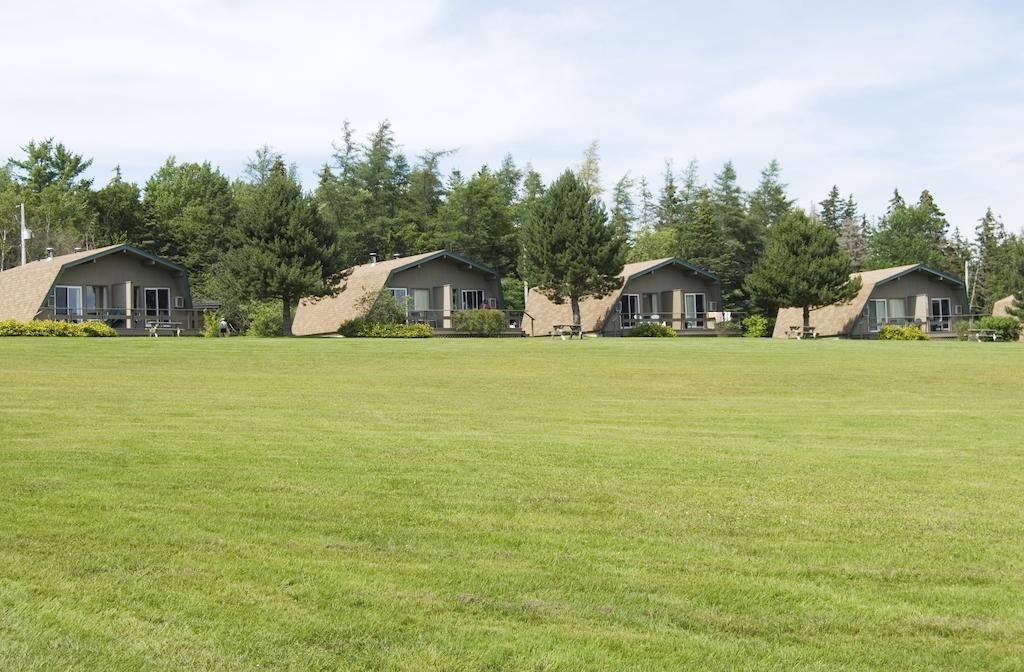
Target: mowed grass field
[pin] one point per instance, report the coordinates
(615, 504)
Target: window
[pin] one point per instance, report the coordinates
(897, 310)
(694, 311)
(421, 299)
(158, 303)
(96, 298)
(629, 310)
(67, 302)
(649, 304)
(939, 320)
(878, 314)
(472, 299)
(400, 294)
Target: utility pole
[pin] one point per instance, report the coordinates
(25, 234)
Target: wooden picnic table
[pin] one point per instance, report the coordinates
(567, 330)
(155, 327)
(799, 331)
(983, 335)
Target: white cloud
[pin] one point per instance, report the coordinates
(868, 96)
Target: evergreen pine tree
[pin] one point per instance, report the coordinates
(624, 215)
(702, 242)
(668, 208)
(569, 249)
(768, 203)
(281, 248)
(743, 239)
(832, 210)
(802, 266)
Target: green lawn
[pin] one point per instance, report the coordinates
(663, 504)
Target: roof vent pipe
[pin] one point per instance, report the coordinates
(396, 255)
(373, 258)
(49, 254)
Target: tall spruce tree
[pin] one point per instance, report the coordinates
(668, 208)
(624, 215)
(281, 247)
(569, 249)
(744, 240)
(832, 210)
(768, 203)
(802, 266)
(703, 242)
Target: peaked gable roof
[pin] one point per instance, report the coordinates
(24, 288)
(324, 315)
(594, 312)
(838, 319)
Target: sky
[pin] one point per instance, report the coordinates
(869, 96)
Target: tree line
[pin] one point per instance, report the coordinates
(262, 236)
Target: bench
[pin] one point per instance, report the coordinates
(800, 332)
(156, 327)
(982, 335)
(567, 330)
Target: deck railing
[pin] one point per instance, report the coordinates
(127, 319)
(679, 321)
(444, 320)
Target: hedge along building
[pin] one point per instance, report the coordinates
(903, 295)
(669, 291)
(120, 285)
(432, 287)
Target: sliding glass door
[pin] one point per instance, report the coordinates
(629, 310)
(158, 303)
(940, 315)
(67, 302)
(695, 312)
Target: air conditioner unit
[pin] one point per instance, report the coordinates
(493, 303)
(179, 302)
(712, 306)
(958, 310)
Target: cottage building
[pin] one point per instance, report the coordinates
(120, 285)
(668, 291)
(915, 294)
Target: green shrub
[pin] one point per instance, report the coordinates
(352, 328)
(379, 330)
(962, 327)
(729, 328)
(385, 309)
(652, 330)
(211, 323)
(1006, 328)
(97, 329)
(481, 322)
(11, 328)
(909, 332)
(265, 319)
(755, 326)
(55, 328)
(359, 328)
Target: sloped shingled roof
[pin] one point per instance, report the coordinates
(594, 312)
(24, 288)
(1002, 307)
(325, 315)
(838, 319)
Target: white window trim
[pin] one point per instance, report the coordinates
(81, 300)
(631, 317)
(700, 321)
(877, 326)
(463, 294)
(145, 310)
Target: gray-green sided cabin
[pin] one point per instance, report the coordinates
(122, 286)
(903, 295)
(432, 287)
